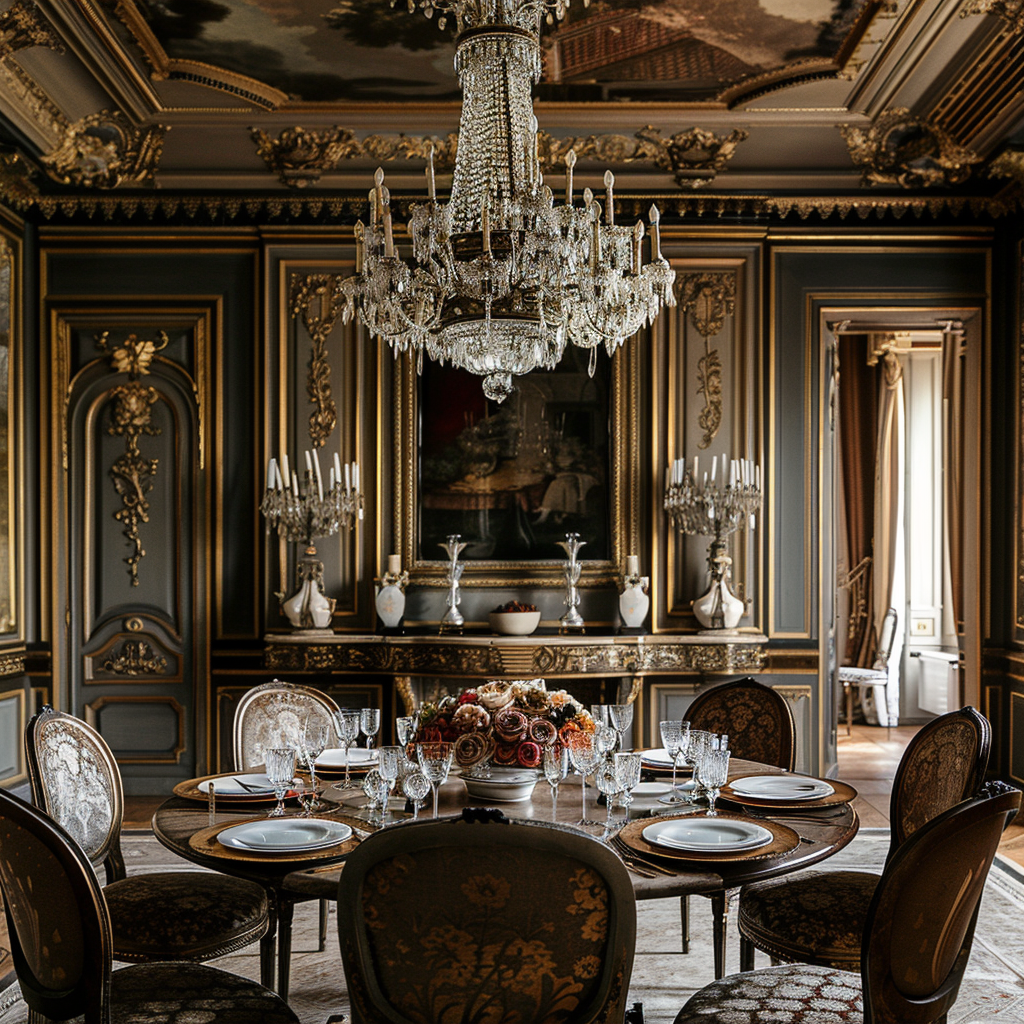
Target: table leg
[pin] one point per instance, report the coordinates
(849, 706)
(720, 910)
(285, 912)
(268, 944)
(684, 916)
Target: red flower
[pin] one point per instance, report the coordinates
(528, 754)
(468, 697)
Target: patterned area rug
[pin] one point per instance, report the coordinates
(663, 978)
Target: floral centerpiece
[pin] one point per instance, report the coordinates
(504, 723)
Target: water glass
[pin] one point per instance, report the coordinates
(627, 770)
(621, 718)
(347, 725)
(405, 729)
(416, 786)
(314, 740)
(675, 737)
(599, 713)
(388, 760)
(607, 779)
(555, 769)
(713, 773)
(606, 738)
(280, 765)
(369, 723)
(585, 757)
(376, 789)
(435, 761)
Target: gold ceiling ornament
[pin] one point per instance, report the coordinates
(106, 151)
(318, 300)
(1011, 11)
(900, 149)
(134, 355)
(23, 25)
(135, 658)
(298, 157)
(708, 298)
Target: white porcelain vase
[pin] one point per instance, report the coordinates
(634, 603)
(308, 607)
(719, 608)
(391, 605)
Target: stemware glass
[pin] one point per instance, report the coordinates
(435, 761)
(347, 725)
(606, 738)
(713, 775)
(555, 769)
(416, 786)
(674, 738)
(374, 787)
(627, 771)
(388, 759)
(369, 723)
(607, 780)
(280, 765)
(621, 718)
(700, 742)
(599, 713)
(313, 742)
(405, 729)
(585, 757)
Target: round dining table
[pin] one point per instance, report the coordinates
(813, 832)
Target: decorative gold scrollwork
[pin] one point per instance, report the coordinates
(105, 151)
(22, 25)
(899, 149)
(135, 658)
(708, 298)
(1011, 11)
(298, 157)
(318, 299)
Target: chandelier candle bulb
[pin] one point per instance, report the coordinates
(609, 211)
(271, 471)
(632, 565)
(394, 564)
(431, 184)
(373, 208)
(360, 232)
(285, 472)
(570, 163)
(337, 468)
(348, 478)
(319, 478)
(485, 225)
(655, 217)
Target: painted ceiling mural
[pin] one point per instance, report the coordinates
(347, 50)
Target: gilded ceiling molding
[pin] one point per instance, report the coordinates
(22, 25)
(318, 300)
(900, 149)
(694, 157)
(106, 151)
(1011, 11)
(21, 90)
(708, 298)
(132, 419)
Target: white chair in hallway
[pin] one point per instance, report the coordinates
(879, 699)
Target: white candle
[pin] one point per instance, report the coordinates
(609, 202)
(316, 473)
(285, 473)
(337, 468)
(431, 187)
(714, 468)
(394, 564)
(655, 234)
(632, 565)
(723, 466)
(348, 479)
(277, 478)
(355, 475)
(295, 484)
(757, 477)
(309, 462)
(271, 470)
(389, 238)
(695, 476)
(732, 473)
(570, 163)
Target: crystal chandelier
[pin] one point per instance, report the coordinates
(501, 278)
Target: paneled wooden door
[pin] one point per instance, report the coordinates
(130, 463)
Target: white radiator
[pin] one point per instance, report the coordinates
(939, 689)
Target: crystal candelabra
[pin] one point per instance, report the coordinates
(500, 277)
(453, 621)
(571, 621)
(303, 511)
(715, 506)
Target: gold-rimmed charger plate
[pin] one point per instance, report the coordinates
(784, 839)
(206, 842)
(190, 790)
(842, 793)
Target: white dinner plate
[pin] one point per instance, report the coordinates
(708, 835)
(651, 789)
(285, 835)
(781, 787)
(334, 757)
(659, 757)
(231, 785)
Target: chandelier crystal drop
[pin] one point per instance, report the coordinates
(502, 278)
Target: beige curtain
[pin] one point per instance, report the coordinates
(887, 465)
(952, 397)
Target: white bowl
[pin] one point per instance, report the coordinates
(505, 786)
(514, 623)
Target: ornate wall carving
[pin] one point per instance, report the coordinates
(22, 25)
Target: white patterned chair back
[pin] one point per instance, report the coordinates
(76, 781)
(274, 715)
(886, 640)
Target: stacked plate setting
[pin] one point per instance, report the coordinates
(286, 835)
(777, 788)
(708, 835)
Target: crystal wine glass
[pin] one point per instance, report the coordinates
(607, 780)
(405, 729)
(606, 738)
(674, 736)
(374, 787)
(435, 761)
(280, 765)
(388, 760)
(416, 786)
(699, 743)
(627, 769)
(585, 757)
(713, 773)
(347, 725)
(555, 770)
(313, 742)
(369, 723)
(621, 718)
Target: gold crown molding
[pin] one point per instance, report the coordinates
(1010, 11)
(318, 300)
(694, 157)
(22, 25)
(708, 298)
(900, 149)
(44, 114)
(106, 151)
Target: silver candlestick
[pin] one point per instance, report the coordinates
(571, 621)
(452, 621)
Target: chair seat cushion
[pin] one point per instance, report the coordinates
(179, 992)
(794, 994)
(816, 917)
(184, 915)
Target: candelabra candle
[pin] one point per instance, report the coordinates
(303, 511)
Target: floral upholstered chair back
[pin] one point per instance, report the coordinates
(274, 715)
(944, 763)
(756, 719)
(75, 779)
(451, 922)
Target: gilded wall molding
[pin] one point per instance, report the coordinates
(22, 25)
(694, 157)
(708, 298)
(135, 658)
(1019, 611)
(106, 151)
(318, 300)
(1010, 11)
(900, 149)
(12, 665)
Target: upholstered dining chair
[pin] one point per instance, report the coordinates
(274, 714)
(915, 943)
(817, 917)
(463, 919)
(173, 915)
(873, 683)
(61, 945)
(760, 727)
